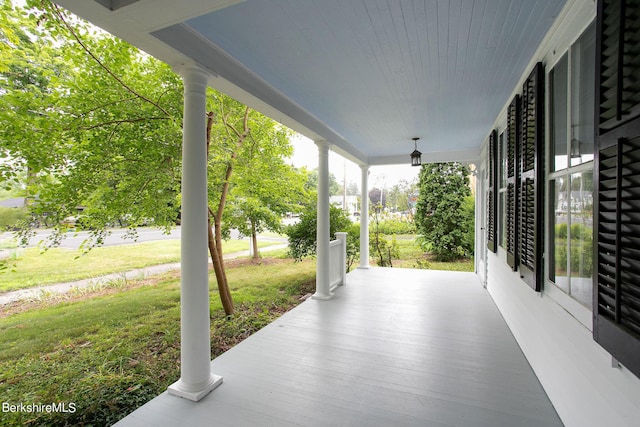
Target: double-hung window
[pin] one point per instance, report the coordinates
(570, 171)
(502, 191)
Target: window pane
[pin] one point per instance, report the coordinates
(559, 119)
(581, 237)
(558, 233)
(503, 160)
(502, 240)
(583, 54)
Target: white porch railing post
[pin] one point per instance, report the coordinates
(364, 218)
(342, 236)
(196, 379)
(323, 286)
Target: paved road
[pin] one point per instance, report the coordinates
(73, 240)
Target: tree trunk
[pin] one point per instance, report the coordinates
(215, 235)
(221, 277)
(215, 246)
(254, 240)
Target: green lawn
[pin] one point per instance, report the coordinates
(412, 256)
(112, 352)
(32, 268)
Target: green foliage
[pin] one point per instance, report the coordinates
(265, 186)
(579, 249)
(312, 182)
(92, 122)
(10, 218)
(469, 216)
(353, 244)
(383, 249)
(398, 196)
(303, 235)
(561, 230)
(444, 217)
(396, 226)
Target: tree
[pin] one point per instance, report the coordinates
(245, 150)
(312, 183)
(117, 154)
(98, 124)
(352, 189)
(441, 217)
(267, 187)
(378, 197)
(398, 196)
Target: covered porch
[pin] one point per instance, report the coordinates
(392, 347)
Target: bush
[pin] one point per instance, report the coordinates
(581, 250)
(353, 244)
(580, 232)
(394, 226)
(10, 217)
(561, 231)
(303, 235)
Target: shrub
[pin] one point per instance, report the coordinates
(395, 226)
(303, 235)
(561, 231)
(580, 232)
(353, 244)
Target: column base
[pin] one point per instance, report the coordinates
(322, 297)
(364, 267)
(176, 389)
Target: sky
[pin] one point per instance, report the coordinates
(306, 154)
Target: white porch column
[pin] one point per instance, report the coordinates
(364, 218)
(196, 379)
(323, 288)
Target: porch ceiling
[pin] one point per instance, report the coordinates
(365, 75)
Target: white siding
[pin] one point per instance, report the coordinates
(574, 370)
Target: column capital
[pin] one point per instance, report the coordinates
(365, 168)
(323, 145)
(192, 73)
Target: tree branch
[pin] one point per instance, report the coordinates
(57, 13)
(118, 122)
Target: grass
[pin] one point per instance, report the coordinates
(412, 256)
(111, 352)
(31, 267)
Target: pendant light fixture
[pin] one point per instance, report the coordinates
(416, 156)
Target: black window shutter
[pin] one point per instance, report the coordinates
(492, 193)
(531, 179)
(619, 65)
(513, 181)
(616, 296)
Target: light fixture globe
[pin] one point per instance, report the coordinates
(416, 156)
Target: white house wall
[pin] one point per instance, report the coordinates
(575, 371)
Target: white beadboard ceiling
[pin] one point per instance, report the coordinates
(366, 75)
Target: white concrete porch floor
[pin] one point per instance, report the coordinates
(394, 347)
